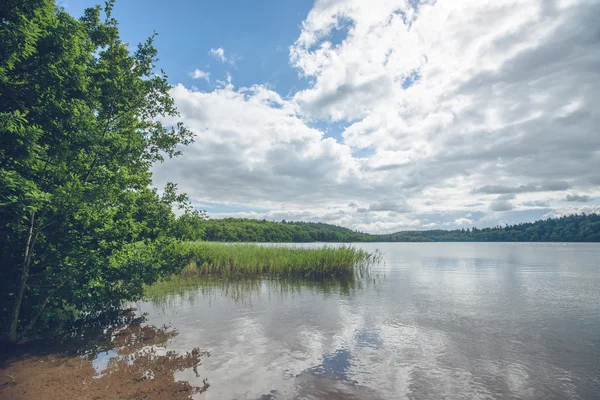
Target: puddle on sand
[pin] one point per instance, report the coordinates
(128, 359)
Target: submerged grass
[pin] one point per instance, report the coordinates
(253, 260)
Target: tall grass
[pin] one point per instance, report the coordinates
(247, 260)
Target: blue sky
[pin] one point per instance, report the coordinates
(255, 36)
(381, 115)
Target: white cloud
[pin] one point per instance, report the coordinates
(488, 72)
(456, 102)
(578, 198)
(199, 74)
(218, 54)
(463, 221)
(252, 149)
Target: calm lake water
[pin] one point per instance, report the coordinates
(434, 321)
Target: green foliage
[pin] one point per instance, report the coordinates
(190, 225)
(246, 260)
(251, 230)
(573, 228)
(80, 127)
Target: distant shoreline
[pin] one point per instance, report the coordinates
(569, 229)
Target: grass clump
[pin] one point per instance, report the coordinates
(246, 260)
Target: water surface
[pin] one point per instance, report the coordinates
(434, 321)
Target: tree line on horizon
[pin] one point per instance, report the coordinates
(572, 228)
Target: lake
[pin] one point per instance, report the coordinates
(433, 321)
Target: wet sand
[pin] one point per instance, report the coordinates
(134, 365)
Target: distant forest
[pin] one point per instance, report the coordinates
(573, 228)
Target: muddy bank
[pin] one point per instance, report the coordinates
(124, 361)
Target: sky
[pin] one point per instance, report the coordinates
(381, 115)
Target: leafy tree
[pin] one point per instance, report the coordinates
(80, 126)
(190, 225)
(573, 228)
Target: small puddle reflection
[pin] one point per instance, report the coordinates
(107, 359)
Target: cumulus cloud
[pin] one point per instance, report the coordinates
(199, 74)
(252, 149)
(463, 221)
(578, 198)
(488, 76)
(507, 196)
(501, 205)
(219, 54)
(455, 102)
(390, 206)
(562, 211)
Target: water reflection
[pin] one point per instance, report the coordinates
(260, 328)
(451, 320)
(191, 289)
(441, 320)
(330, 380)
(116, 356)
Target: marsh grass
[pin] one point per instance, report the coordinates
(170, 293)
(253, 260)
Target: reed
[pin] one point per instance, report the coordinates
(248, 260)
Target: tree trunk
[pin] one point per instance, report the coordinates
(14, 315)
(39, 313)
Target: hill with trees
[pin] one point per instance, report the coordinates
(572, 228)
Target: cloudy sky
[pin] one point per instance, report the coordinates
(382, 115)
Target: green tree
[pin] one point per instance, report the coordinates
(80, 126)
(582, 228)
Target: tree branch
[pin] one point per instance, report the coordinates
(39, 313)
